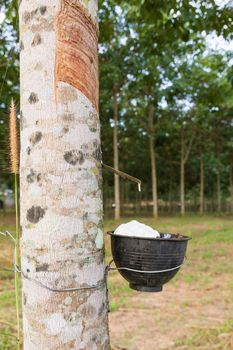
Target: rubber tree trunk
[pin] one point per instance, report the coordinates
(116, 159)
(219, 194)
(202, 185)
(231, 187)
(153, 160)
(61, 179)
(182, 186)
(185, 152)
(170, 196)
(182, 175)
(123, 183)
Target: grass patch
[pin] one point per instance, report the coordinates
(223, 235)
(219, 338)
(7, 340)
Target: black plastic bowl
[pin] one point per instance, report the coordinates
(148, 254)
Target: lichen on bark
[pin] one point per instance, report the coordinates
(61, 193)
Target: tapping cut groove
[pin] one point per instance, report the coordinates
(76, 50)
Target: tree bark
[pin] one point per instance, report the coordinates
(170, 196)
(61, 180)
(231, 188)
(182, 187)
(116, 159)
(153, 160)
(219, 194)
(202, 185)
(182, 176)
(185, 151)
(123, 183)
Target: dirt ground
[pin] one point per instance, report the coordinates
(158, 321)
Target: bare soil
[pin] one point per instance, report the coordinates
(158, 320)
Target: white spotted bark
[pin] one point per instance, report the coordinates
(61, 180)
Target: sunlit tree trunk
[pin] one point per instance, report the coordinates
(202, 185)
(61, 179)
(116, 159)
(153, 160)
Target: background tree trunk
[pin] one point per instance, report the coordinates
(123, 183)
(170, 196)
(202, 185)
(61, 179)
(116, 159)
(182, 177)
(185, 151)
(153, 160)
(182, 189)
(231, 187)
(219, 194)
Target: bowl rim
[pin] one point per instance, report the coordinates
(184, 238)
